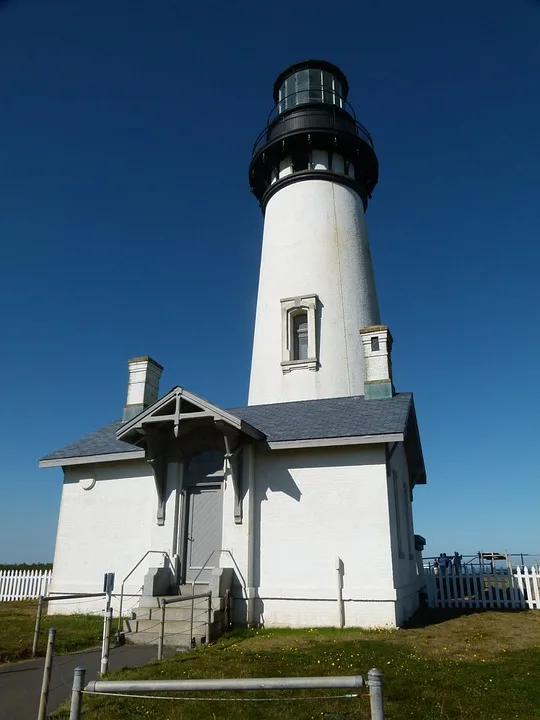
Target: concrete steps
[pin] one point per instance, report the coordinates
(144, 626)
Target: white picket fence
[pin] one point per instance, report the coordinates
(472, 587)
(23, 584)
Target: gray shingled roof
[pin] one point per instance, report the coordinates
(302, 420)
(328, 418)
(100, 442)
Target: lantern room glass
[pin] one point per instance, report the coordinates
(310, 86)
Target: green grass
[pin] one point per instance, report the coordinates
(483, 666)
(17, 620)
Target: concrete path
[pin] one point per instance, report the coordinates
(20, 683)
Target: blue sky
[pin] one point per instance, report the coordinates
(127, 228)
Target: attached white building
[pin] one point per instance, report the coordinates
(301, 502)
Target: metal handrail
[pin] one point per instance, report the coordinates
(130, 573)
(206, 565)
(282, 118)
(47, 598)
(180, 598)
(204, 568)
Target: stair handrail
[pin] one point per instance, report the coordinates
(163, 602)
(220, 551)
(204, 567)
(164, 553)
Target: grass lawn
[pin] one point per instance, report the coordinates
(17, 620)
(484, 666)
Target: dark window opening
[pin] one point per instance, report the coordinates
(300, 161)
(375, 344)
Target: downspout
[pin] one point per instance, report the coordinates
(252, 619)
(179, 482)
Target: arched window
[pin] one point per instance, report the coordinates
(299, 333)
(300, 336)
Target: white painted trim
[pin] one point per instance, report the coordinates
(334, 442)
(91, 459)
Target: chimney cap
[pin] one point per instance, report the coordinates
(374, 328)
(145, 358)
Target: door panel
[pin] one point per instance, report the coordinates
(204, 530)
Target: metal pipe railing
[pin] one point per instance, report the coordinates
(164, 553)
(119, 687)
(182, 598)
(204, 567)
(278, 683)
(45, 598)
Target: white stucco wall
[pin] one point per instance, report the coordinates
(312, 506)
(315, 242)
(105, 529)
(308, 508)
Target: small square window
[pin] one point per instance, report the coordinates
(375, 344)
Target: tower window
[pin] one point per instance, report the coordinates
(375, 344)
(299, 333)
(300, 336)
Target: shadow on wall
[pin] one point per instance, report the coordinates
(275, 474)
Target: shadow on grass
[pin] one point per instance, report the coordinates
(435, 616)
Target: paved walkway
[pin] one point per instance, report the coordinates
(20, 683)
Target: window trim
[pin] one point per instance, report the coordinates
(290, 308)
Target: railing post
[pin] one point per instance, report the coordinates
(37, 626)
(42, 712)
(228, 608)
(191, 621)
(161, 630)
(76, 693)
(375, 694)
(208, 618)
(106, 643)
(119, 628)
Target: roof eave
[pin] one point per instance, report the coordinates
(413, 449)
(92, 459)
(335, 442)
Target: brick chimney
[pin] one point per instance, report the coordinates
(143, 386)
(377, 343)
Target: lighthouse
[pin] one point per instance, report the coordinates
(313, 171)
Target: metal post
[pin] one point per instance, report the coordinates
(76, 693)
(42, 712)
(228, 608)
(161, 630)
(208, 618)
(191, 622)
(375, 694)
(106, 644)
(341, 608)
(38, 624)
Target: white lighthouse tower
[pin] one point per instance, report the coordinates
(313, 170)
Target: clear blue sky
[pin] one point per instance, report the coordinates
(127, 228)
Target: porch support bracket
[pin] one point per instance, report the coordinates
(157, 458)
(234, 458)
